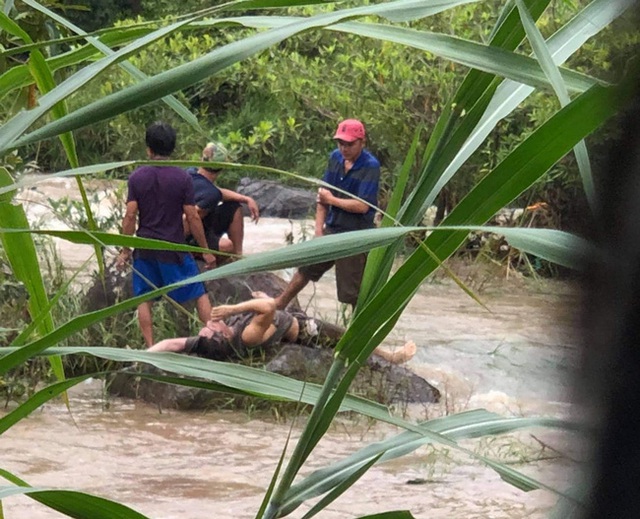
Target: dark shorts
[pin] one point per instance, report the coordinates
(159, 274)
(217, 223)
(348, 275)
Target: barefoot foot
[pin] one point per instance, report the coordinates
(404, 354)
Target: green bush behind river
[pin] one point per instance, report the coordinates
(279, 108)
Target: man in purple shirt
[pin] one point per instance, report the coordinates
(158, 197)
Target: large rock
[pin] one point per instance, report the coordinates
(378, 380)
(277, 200)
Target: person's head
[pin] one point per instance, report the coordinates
(213, 343)
(160, 139)
(214, 152)
(350, 138)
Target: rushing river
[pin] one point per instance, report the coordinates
(516, 359)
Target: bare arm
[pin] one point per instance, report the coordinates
(265, 305)
(176, 345)
(194, 224)
(185, 223)
(260, 328)
(128, 228)
(346, 204)
(232, 196)
(321, 216)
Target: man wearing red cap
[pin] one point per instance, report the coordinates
(353, 169)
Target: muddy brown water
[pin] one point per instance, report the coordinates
(515, 359)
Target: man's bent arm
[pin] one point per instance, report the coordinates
(346, 204)
(233, 196)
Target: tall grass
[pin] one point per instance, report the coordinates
(499, 78)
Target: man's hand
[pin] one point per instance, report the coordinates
(220, 312)
(325, 196)
(253, 209)
(123, 259)
(209, 260)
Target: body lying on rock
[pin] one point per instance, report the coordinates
(234, 330)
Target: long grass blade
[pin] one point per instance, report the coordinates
(372, 278)
(340, 489)
(519, 170)
(190, 73)
(45, 82)
(216, 376)
(552, 72)
(455, 123)
(469, 424)
(23, 259)
(71, 503)
(17, 125)
(508, 96)
(134, 72)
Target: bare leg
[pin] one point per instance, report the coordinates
(236, 231)
(204, 308)
(400, 356)
(146, 322)
(297, 283)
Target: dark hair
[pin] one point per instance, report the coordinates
(161, 138)
(216, 347)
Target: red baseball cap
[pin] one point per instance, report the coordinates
(350, 130)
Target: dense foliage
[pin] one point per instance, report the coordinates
(268, 116)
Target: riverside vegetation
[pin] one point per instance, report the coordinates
(59, 81)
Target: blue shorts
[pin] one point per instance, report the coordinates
(162, 274)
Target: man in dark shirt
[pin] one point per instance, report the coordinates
(220, 209)
(354, 170)
(158, 196)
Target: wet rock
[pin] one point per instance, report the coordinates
(378, 380)
(234, 289)
(277, 200)
(130, 384)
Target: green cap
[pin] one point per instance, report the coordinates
(215, 152)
